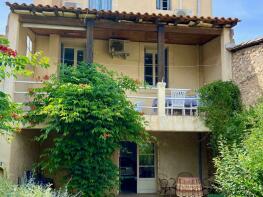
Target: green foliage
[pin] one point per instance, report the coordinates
(10, 115)
(240, 166)
(7, 189)
(220, 109)
(87, 111)
(12, 64)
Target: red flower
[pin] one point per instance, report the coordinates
(7, 51)
(46, 77)
(106, 135)
(15, 116)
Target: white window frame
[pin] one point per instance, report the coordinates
(147, 166)
(76, 49)
(29, 46)
(161, 7)
(154, 53)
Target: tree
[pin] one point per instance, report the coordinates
(240, 166)
(12, 64)
(220, 109)
(87, 111)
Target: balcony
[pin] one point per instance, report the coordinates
(164, 109)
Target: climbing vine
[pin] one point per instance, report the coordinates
(12, 65)
(87, 111)
(220, 108)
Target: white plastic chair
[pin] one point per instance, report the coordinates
(138, 106)
(178, 100)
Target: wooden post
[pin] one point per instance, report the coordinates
(161, 52)
(89, 40)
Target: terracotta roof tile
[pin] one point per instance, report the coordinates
(147, 17)
(247, 44)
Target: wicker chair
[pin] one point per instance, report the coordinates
(164, 187)
(185, 174)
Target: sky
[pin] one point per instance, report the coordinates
(248, 11)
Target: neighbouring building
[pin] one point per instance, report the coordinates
(175, 46)
(248, 69)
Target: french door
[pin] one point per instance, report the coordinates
(146, 169)
(151, 67)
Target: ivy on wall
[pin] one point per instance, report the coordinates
(87, 110)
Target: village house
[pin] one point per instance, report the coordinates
(248, 69)
(175, 46)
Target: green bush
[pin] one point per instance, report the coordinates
(220, 109)
(240, 167)
(7, 189)
(86, 108)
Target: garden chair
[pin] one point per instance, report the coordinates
(164, 187)
(178, 100)
(185, 174)
(138, 106)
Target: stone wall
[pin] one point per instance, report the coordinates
(248, 73)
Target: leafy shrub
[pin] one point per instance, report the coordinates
(7, 189)
(240, 167)
(220, 108)
(88, 111)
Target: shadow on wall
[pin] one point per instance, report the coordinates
(248, 73)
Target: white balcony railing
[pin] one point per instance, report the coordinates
(148, 101)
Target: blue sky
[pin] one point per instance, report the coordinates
(249, 11)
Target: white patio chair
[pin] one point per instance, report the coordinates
(178, 100)
(138, 106)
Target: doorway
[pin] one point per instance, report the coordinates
(128, 167)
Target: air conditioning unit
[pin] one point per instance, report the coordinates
(117, 48)
(183, 12)
(71, 4)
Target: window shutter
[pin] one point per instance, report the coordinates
(158, 4)
(106, 4)
(94, 4)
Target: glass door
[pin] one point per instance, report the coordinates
(151, 67)
(147, 169)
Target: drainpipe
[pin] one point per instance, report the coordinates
(198, 8)
(180, 4)
(200, 156)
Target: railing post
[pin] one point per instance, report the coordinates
(161, 98)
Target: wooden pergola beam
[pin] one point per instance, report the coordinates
(107, 24)
(89, 40)
(161, 52)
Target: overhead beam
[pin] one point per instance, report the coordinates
(129, 26)
(56, 27)
(161, 52)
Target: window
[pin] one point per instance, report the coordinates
(72, 56)
(147, 161)
(163, 4)
(29, 46)
(100, 4)
(151, 67)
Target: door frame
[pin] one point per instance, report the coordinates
(151, 181)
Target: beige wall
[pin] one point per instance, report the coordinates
(145, 5)
(183, 61)
(248, 73)
(210, 58)
(178, 152)
(24, 153)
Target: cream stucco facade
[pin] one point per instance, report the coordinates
(193, 7)
(190, 66)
